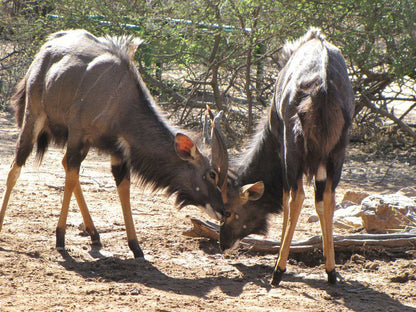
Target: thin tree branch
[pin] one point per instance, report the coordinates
(403, 126)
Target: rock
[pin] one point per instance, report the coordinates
(407, 191)
(356, 258)
(344, 204)
(354, 196)
(345, 218)
(388, 213)
(313, 218)
(376, 213)
(351, 211)
(348, 218)
(348, 223)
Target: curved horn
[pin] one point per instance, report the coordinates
(205, 128)
(219, 150)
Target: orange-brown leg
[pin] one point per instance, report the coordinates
(71, 180)
(286, 197)
(24, 146)
(295, 206)
(88, 223)
(326, 219)
(121, 174)
(12, 177)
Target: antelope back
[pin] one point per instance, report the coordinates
(85, 92)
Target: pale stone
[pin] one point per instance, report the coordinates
(344, 204)
(349, 223)
(388, 213)
(407, 191)
(351, 211)
(355, 196)
(348, 218)
(313, 218)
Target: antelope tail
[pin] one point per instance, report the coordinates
(18, 101)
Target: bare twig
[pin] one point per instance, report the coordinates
(156, 83)
(366, 102)
(407, 111)
(8, 55)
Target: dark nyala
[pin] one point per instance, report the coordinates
(84, 92)
(304, 135)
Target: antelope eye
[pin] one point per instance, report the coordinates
(213, 175)
(227, 214)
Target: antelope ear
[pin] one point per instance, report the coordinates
(252, 191)
(185, 147)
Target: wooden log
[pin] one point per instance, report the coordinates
(394, 242)
(203, 229)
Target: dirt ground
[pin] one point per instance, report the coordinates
(179, 273)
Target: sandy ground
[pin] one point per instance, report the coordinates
(179, 273)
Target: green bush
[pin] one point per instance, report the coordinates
(224, 53)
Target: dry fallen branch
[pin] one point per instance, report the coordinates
(396, 242)
(203, 229)
(398, 121)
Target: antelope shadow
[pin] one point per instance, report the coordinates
(144, 272)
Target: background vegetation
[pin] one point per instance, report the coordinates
(225, 53)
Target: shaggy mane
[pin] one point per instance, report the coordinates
(291, 46)
(122, 46)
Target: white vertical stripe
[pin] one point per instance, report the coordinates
(321, 173)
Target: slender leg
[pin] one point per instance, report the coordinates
(121, 173)
(286, 197)
(295, 205)
(325, 206)
(320, 185)
(24, 146)
(89, 224)
(327, 230)
(12, 177)
(71, 180)
(75, 154)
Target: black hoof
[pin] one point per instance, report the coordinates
(277, 276)
(138, 254)
(135, 248)
(96, 243)
(95, 239)
(60, 239)
(332, 276)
